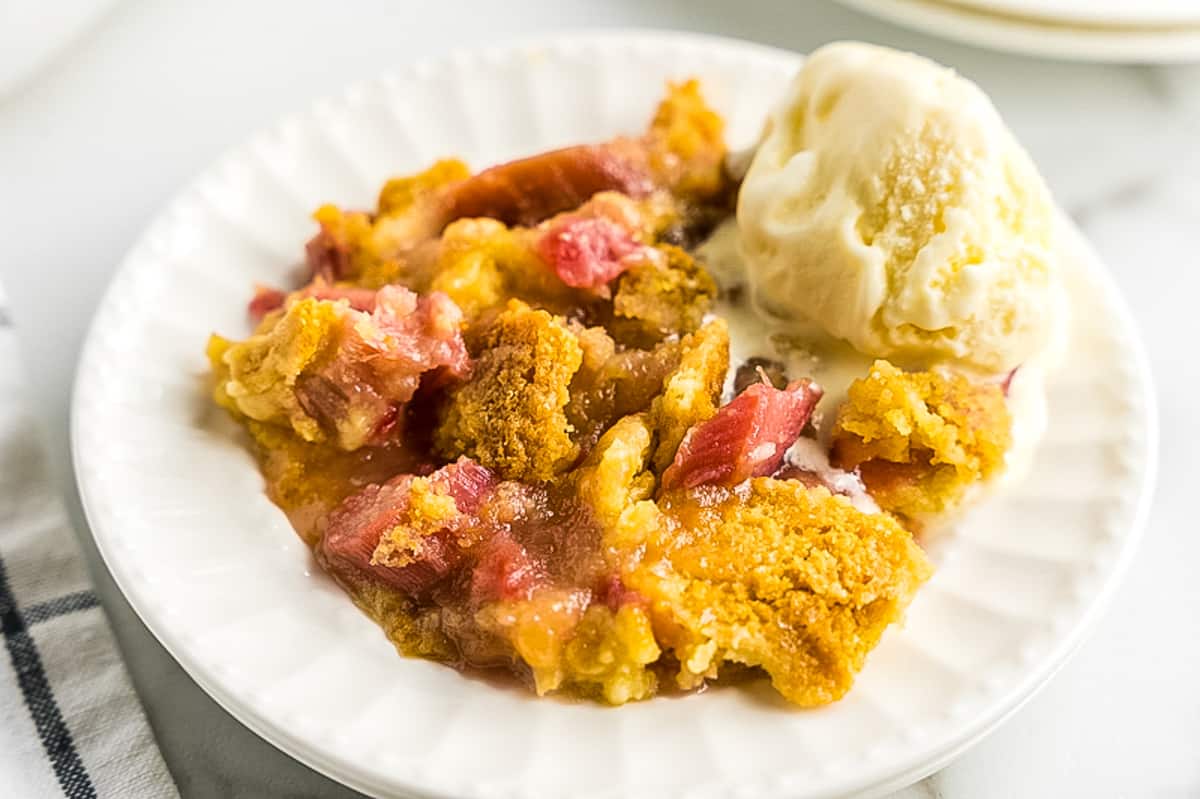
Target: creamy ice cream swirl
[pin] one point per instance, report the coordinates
(890, 207)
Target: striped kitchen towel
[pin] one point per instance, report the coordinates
(70, 723)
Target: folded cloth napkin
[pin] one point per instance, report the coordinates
(70, 723)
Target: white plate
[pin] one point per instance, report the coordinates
(1162, 44)
(1096, 12)
(177, 508)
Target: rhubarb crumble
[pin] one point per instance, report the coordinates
(517, 419)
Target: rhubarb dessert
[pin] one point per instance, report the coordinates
(620, 421)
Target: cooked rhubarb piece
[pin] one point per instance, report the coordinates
(587, 253)
(409, 532)
(332, 373)
(921, 439)
(746, 438)
(777, 575)
(533, 538)
(526, 191)
(407, 336)
(504, 570)
(265, 300)
(355, 528)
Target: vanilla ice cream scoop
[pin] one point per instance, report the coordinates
(889, 206)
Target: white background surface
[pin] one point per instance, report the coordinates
(91, 147)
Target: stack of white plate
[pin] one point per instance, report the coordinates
(1147, 31)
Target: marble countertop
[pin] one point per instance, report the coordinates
(96, 143)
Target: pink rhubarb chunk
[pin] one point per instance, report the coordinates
(407, 336)
(746, 438)
(266, 299)
(587, 252)
(383, 358)
(353, 529)
(504, 570)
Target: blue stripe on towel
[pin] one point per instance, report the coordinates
(39, 697)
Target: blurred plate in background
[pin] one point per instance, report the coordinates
(1067, 40)
(1128, 13)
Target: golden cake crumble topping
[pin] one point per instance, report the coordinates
(778, 575)
(921, 439)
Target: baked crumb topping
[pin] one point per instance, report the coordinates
(920, 440)
(510, 414)
(778, 575)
